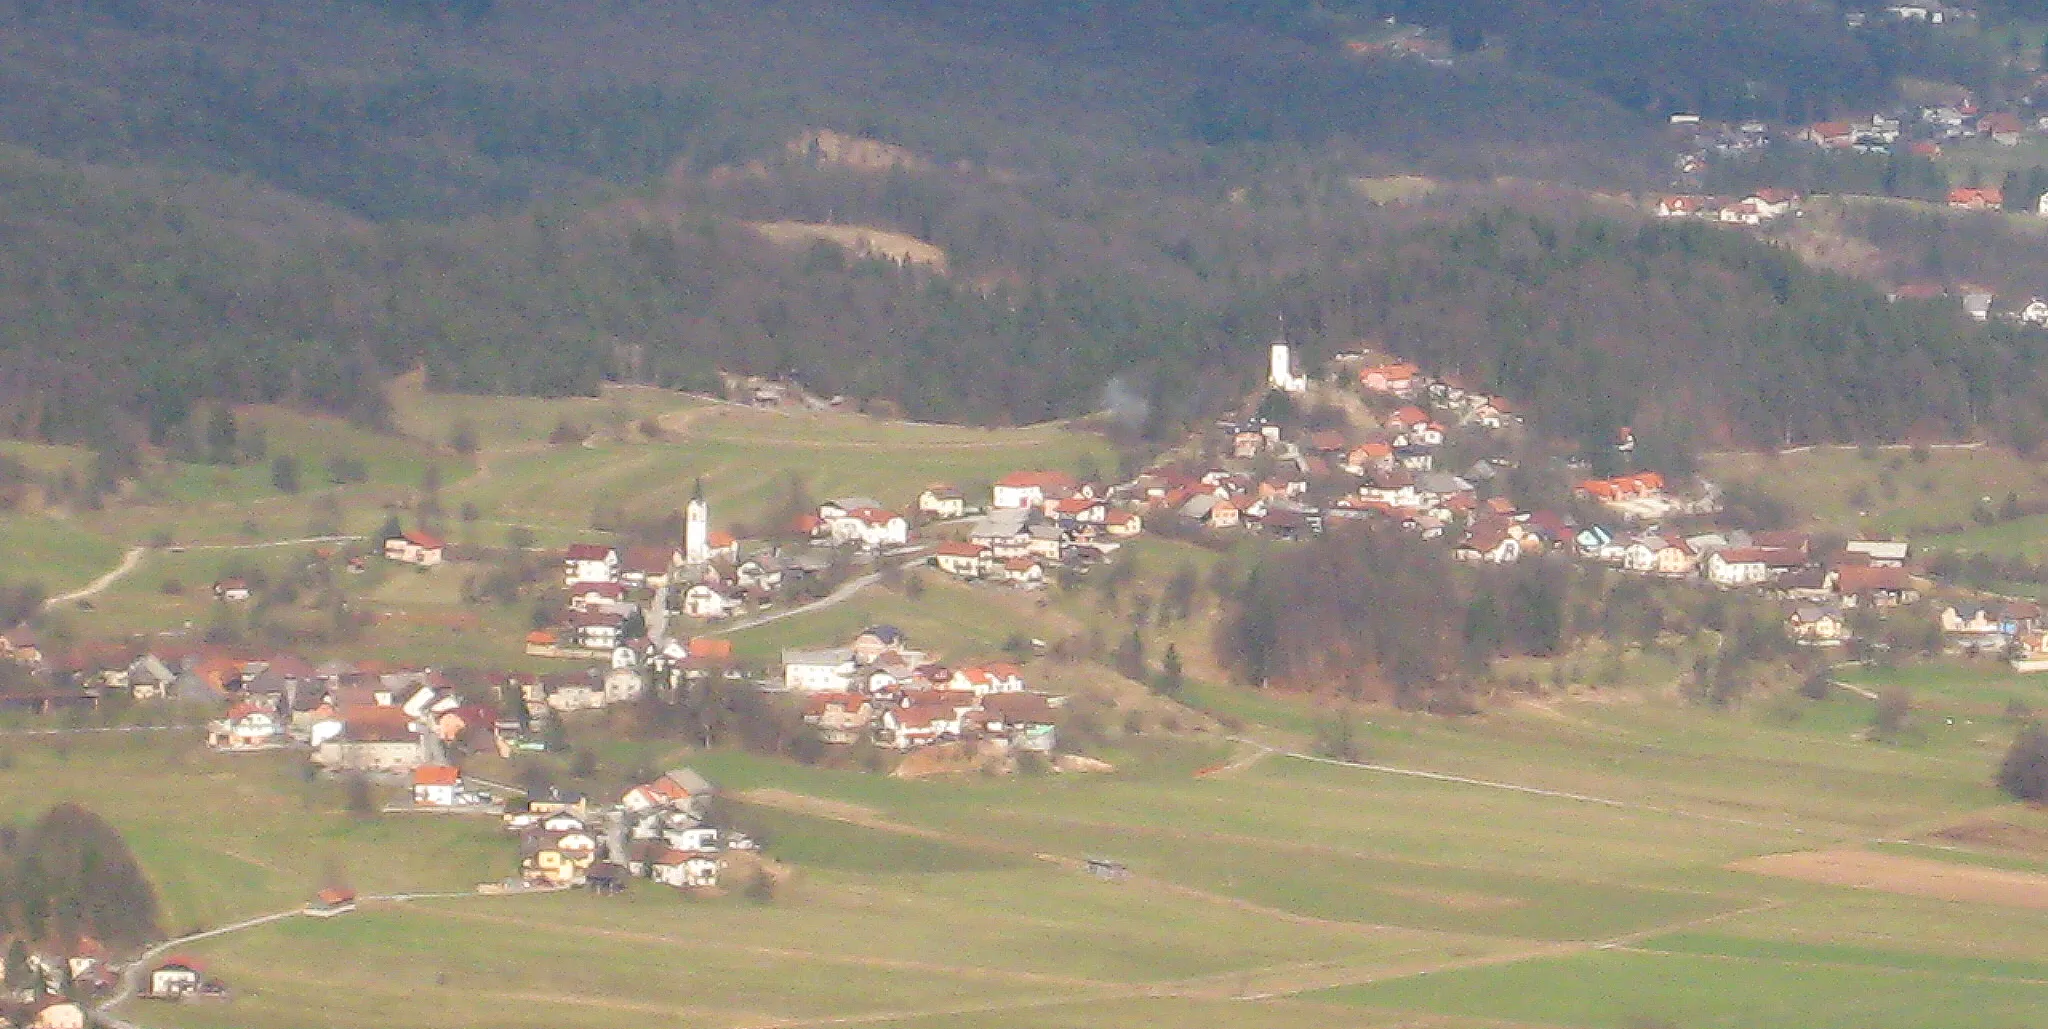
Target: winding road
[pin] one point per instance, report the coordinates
(133, 560)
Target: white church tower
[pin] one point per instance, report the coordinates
(1280, 372)
(697, 528)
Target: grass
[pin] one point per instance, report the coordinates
(1887, 490)
(57, 553)
(1615, 989)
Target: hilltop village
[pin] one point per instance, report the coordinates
(1373, 439)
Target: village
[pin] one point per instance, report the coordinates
(1371, 439)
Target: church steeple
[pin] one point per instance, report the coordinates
(697, 527)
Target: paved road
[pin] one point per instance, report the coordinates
(839, 596)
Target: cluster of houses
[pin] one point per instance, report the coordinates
(1755, 210)
(1035, 521)
(658, 831)
(61, 980)
(881, 689)
(1979, 302)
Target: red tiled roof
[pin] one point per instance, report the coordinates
(1041, 479)
(436, 775)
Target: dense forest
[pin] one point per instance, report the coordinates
(70, 875)
(242, 201)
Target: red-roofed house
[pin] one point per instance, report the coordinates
(415, 548)
(436, 785)
(961, 558)
(1976, 199)
(589, 562)
(1032, 489)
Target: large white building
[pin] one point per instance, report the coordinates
(818, 671)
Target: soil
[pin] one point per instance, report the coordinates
(2017, 839)
(1908, 876)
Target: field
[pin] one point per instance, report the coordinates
(1929, 495)
(1604, 861)
(1593, 864)
(641, 451)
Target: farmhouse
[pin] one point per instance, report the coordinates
(818, 671)
(1032, 489)
(589, 562)
(436, 785)
(941, 501)
(415, 548)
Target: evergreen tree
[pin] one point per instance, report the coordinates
(284, 473)
(392, 529)
(2024, 773)
(20, 976)
(1130, 657)
(1170, 681)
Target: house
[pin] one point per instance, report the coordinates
(684, 869)
(1817, 626)
(248, 726)
(55, 1013)
(332, 901)
(175, 979)
(1210, 510)
(818, 671)
(870, 527)
(1026, 720)
(2003, 127)
(838, 717)
(1023, 571)
(1976, 199)
(706, 601)
(649, 567)
(436, 785)
(942, 502)
(556, 858)
(1032, 489)
(1123, 523)
(234, 591)
(1748, 566)
(1085, 510)
(1977, 303)
(1881, 553)
(1659, 555)
(984, 680)
(369, 739)
(1490, 543)
(567, 693)
(596, 596)
(1396, 378)
(2036, 311)
(1683, 206)
(1971, 620)
(963, 559)
(919, 724)
(597, 630)
(1880, 587)
(589, 562)
(415, 548)
(760, 572)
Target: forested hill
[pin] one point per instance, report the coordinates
(243, 200)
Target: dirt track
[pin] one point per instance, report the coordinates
(1908, 876)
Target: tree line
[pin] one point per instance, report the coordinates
(70, 875)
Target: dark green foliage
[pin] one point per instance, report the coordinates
(2024, 773)
(1170, 681)
(284, 473)
(70, 875)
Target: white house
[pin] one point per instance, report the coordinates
(818, 671)
(706, 601)
(436, 785)
(415, 548)
(942, 502)
(966, 560)
(684, 869)
(1030, 489)
(1737, 566)
(590, 562)
(1882, 553)
(871, 528)
(598, 630)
